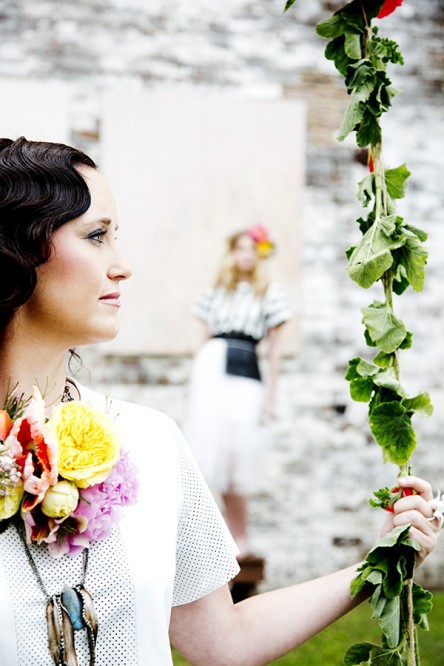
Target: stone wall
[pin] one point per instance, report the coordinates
(310, 514)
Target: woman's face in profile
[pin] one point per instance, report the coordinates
(244, 253)
(77, 296)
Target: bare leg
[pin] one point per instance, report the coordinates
(236, 517)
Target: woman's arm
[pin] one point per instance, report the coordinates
(213, 630)
(274, 341)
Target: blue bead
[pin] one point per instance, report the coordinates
(73, 605)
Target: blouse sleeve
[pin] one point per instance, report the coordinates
(276, 307)
(201, 309)
(206, 552)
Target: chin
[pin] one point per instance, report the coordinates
(104, 335)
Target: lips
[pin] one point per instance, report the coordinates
(111, 299)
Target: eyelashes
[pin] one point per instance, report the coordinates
(97, 235)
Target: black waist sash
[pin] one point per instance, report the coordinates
(241, 359)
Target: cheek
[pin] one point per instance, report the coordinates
(66, 275)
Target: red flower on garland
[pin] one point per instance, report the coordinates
(388, 7)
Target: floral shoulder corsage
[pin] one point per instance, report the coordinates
(65, 477)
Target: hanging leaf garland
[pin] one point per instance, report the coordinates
(392, 253)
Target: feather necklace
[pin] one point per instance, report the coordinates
(67, 611)
(70, 610)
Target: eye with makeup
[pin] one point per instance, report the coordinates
(97, 235)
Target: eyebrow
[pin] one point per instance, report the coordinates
(101, 220)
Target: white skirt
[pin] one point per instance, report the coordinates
(222, 422)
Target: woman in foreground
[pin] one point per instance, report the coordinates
(117, 594)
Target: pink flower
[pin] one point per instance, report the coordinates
(259, 233)
(96, 511)
(261, 238)
(389, 7)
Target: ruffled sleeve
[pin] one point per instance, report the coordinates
(275, 307)
(201, 309)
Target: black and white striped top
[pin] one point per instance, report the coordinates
(241, 310)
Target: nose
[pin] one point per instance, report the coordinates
(119, 269)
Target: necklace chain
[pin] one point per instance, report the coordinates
(34, 568)
(67, 395)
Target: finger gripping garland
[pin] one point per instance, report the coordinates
(390, 252)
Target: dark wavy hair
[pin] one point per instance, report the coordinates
(40, 190)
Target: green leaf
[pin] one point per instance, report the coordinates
(352, 372)
(422, 606)
(400, 284)
(352, 45)
(389, 621)
(384, 360)
(373, 656)
(361, 385)
(366, 369)
(383, 326)
(393, 538)
(383, 50)
(420, 404)
(289, 4)
(385, 497)
(407, 342)
(352, 119)
(335, 51)
(391, 427)
(372, 257)
(361, 389)
(345, 20)
(349, 252)
(422, 235)
(387, 380)
(413, 256)
(385, 657)
(368, 339)
(369, 132)
(358, 654)
(395, 180)
(366, 189)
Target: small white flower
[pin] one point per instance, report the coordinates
(438, 505)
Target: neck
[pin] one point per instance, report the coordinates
(28, 363)
(244, 277)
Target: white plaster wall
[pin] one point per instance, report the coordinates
(187, 170)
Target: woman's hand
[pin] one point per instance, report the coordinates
(267, 411)
(416, 510)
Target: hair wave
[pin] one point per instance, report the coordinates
(40, 190)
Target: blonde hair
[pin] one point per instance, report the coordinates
(228, 274)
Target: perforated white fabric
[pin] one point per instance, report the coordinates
(204, 546)
(171, 548)
(108, 580)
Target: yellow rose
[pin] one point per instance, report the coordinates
(60, 500)
(10, 503)
(88, 443)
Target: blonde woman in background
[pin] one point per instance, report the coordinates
(228, 401)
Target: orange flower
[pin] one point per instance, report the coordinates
(5, 424)
(35, 451)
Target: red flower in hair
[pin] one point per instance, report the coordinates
(388, 7)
